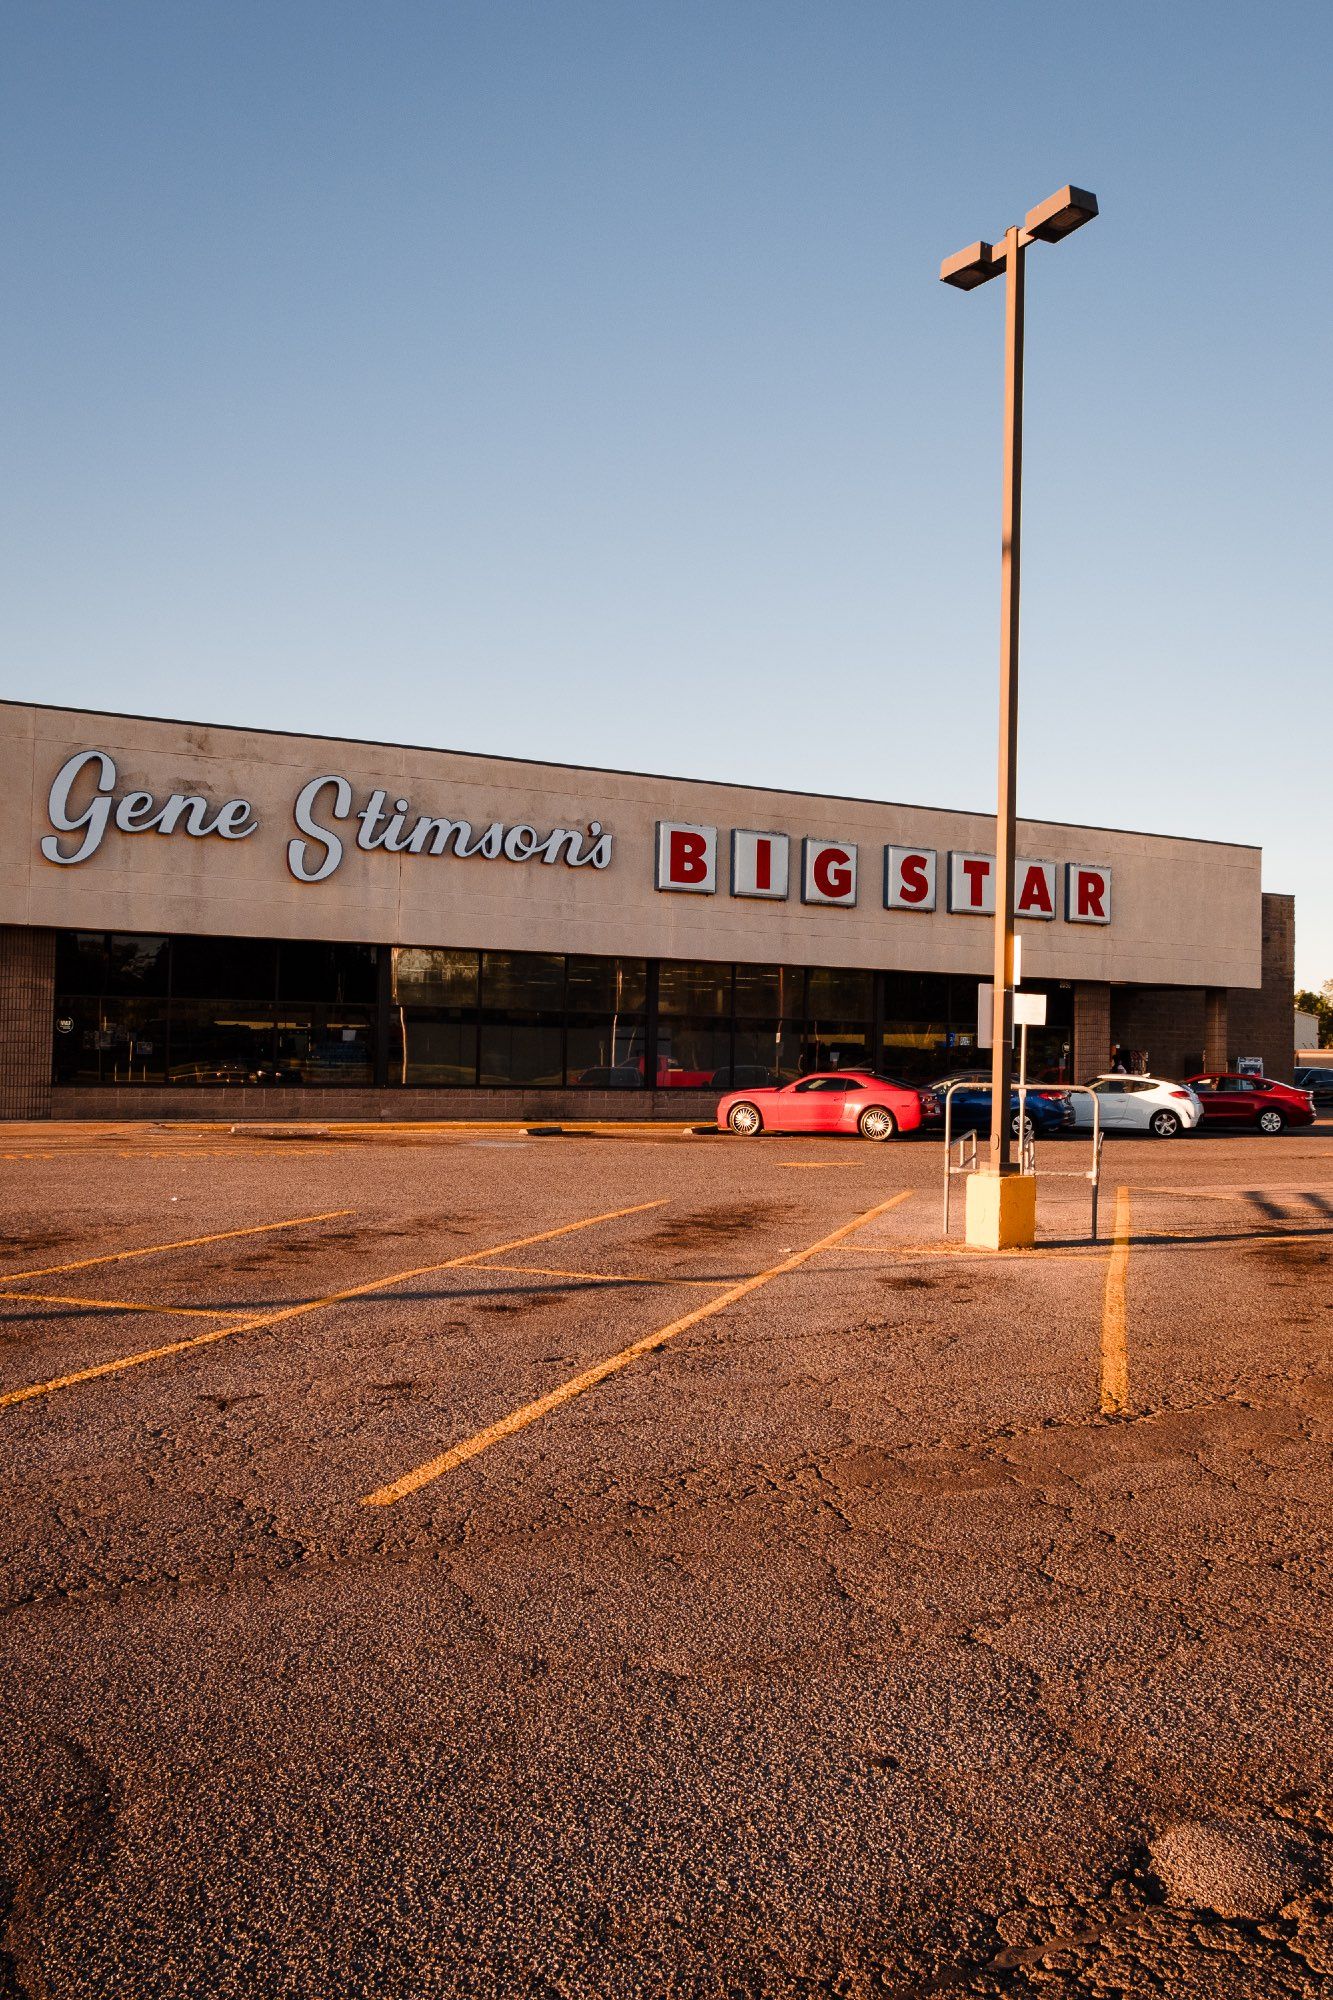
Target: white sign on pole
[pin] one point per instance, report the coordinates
(1029, 1012)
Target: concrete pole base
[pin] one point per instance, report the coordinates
(1001, 1211)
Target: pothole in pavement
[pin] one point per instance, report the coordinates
(1235, 1868)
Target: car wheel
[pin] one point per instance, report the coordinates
(1029, 1129)
(744, 1120)
(1164, 1124)
(876, 1122)
(1272, 1121)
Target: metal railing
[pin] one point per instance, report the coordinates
(966, 1143)
(1094, 1172)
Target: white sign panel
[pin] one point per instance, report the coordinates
(1029, 1012)
(828, 872)
(972, 884)
(1087, 892)
(1034, 890)
(686, 858)
(909, 878)
(760, 863)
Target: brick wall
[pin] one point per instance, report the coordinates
(27, 1005)
(1165, 1022)
(1216, 1028)
(1092, 1029)
(1262, 1022)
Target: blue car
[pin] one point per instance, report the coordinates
(1049, 1109)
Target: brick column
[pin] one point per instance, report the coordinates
(1261, 1019)
(27, 1004)
(1092, 1030)
(1215, 1028)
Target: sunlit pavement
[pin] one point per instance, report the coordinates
(471, 1563)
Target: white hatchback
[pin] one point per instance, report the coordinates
(1140, 1104)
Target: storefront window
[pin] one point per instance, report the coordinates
(776, 991)
(137, 965)
(606, 985)
(686, 986)
(529, 980)
(325, 1045)
(206, 968)
(690, 1053)
(80, 962)
(424, 976)
(836, 1045)
(840, 994)
(436, 1050)
(521, 1052)
(917, 1051)
(111, 1041)
(191, 1010)
(221, 1042)
(765, 1052)
(606, 1054)
(920, 996)
(338, 972)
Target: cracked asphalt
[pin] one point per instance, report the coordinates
(498, 1566)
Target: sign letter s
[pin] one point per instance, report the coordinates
(297, 850)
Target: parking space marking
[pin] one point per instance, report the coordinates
(123, 1305)
(920, 1253)
(285, 1313)
(602, 1277)
(529, 1413)
(182, 1243)
(1115, 1350)
(1235, 1191)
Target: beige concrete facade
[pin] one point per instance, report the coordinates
(1184, 912)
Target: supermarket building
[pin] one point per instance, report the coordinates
(204, 921)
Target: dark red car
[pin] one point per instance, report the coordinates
(1255, 1102)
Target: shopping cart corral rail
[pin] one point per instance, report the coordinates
(968, 1161)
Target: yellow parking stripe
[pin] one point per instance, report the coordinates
(602, 1277)
(529, 1413)
(182, 1243)
(307, 1306)
(122, 1305)
(1115, 1349)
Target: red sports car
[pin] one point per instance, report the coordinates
(842, 1100)
(1253, 1101)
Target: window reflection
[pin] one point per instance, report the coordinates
(325, 1045)
(774, 990)
(521, 1052)
(606, 1054)
(523, 979)
(689, 1053)
(110, 1041)
(436, 1050)
(134, 1008)
(686, 986)
(208, 968)
(430, 977)
(311, 970)
(839, 993)
(606, 985)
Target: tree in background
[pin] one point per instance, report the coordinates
(1321, 1006)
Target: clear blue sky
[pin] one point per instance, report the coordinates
(572, 380)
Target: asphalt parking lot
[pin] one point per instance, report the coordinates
(481, 1564)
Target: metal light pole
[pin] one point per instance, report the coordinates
(1048, 223)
